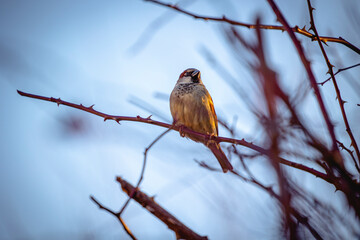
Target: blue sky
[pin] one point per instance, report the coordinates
(84, 52)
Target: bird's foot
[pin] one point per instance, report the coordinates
(181, 129)
(209, 139)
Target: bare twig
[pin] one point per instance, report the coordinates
(339, 71)
(295, 29)
(337, 90)
(311, 77)
(116, 214)
(341, 145)
(182, 231)
(143, 169)
(205, 137)
(302, 219)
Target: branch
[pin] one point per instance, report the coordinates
(337, 90)
(198, 135)
(269, 189)
(117, 215)
(182, 231)
(310, 74)
(342, 146)
(339, 71)
(295, 29)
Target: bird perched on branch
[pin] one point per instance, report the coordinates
(191, 106)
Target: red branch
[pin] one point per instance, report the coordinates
(182, 231)
(337, 90)
(339, 71)
(295, 29)
(205, 137)
(310, 74)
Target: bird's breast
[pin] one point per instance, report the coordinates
(190, 106)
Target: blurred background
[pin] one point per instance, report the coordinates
(125, 57)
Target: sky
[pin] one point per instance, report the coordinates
(122, 54)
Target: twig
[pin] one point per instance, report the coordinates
(337, 90)
(148, 120)
(303, 220)
(116, 214)
(182, 231)
(295, 29)
(338, 71)
(350, 153)
(143, 169)
(310, 74)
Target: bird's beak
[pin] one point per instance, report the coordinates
(195, 73)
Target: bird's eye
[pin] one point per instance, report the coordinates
(195, 77)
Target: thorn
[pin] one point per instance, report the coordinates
(153, 198)
(118, 121)
(106, 118)
(312, 8)
(304, 28)
(56, 100)
(92, 107)
(149, 117)
(343, 102)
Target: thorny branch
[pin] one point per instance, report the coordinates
(337, 90)
(299, 217)
(295, 29)
(311, 77)
(182, 231)
(339, 71)
(342, 146)
(148, 120)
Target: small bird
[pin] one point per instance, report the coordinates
(191, 106)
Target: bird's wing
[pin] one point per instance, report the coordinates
(213, 113)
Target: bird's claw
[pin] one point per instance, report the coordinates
(181, 129)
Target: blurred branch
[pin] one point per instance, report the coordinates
(299, 217)
(337, 90)
(181, 231)
(117, 215)
(339, 71)
(341, 145)
(205, 137)
(295, 29)
(311, 77)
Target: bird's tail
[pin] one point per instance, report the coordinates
(221, 157)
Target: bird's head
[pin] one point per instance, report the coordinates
(190, 75)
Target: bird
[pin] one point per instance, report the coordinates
(192, 106)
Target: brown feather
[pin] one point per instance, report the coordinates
(192, 106)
